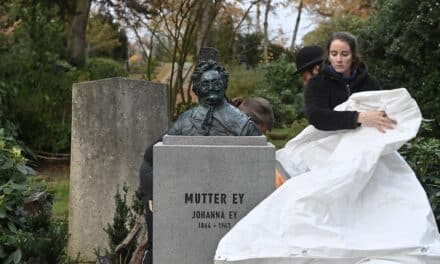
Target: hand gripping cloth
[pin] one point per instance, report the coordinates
(351, 198)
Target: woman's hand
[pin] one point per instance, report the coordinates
(377, 119)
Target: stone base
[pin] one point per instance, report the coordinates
(202, 187)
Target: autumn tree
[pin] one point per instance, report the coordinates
(320, 35)
(135, 16)
(337, 15)
(180, 28)
(228, 29)
(332, 8)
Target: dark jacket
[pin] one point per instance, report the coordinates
(329, 89)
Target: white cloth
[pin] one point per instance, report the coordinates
(351, 198)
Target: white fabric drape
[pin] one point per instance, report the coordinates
(351, 198)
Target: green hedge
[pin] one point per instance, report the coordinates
(283, 90)
(423, 155)
(101, 68)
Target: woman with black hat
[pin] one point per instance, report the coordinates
(342, 74)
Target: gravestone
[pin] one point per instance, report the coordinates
(113, 122)
(202, 187)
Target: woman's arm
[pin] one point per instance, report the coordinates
(320, 114)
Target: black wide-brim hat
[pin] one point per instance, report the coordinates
(307, 57)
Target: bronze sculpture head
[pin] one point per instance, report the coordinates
(214, 115)
(210, 82)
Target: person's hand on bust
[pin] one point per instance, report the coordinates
(377, 119)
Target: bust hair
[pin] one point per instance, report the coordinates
(352, 42)
(205, 66)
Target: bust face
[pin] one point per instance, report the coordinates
(211, 90)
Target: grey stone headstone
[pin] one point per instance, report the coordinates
(202, 186)
(113, 122)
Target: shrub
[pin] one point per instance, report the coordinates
(123, 220)
(243, 82)
(423, 155)
(101, 68)
(282, 88)
(35, 73)
(404, 51)
(44, 115)
(26, 232)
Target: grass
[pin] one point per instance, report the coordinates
(57, 178)
(60, 188)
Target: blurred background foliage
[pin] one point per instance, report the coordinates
(37, 69)
(401, 44)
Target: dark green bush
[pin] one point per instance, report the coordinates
(283, 89)
(43, 113)
(124, 219)
(100, 68)
(35, 74)
(25, 234)
(243, 82)
(401, 44)
(423, 155)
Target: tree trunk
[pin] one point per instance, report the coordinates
(77, 41)
(204, 24)
(266, 38)
(150, 58)
(258, 28)
(234, 42)
(298, 19)
(211, 10)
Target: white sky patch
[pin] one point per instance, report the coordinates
(284, 19)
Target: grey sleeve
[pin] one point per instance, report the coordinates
(250, 129)
(175, 128)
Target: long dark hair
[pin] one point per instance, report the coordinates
(351, 40)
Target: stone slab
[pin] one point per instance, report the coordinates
(202, 190)
(214, 140)
(113, 122)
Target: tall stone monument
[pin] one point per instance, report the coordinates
(202, 187)
(113, 122)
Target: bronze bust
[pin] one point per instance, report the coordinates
(214, 115)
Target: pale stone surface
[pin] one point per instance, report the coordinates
(215, 140)
(202, 189)
(113, 122)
